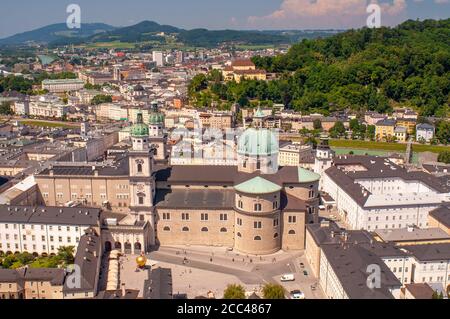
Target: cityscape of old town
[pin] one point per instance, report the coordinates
(288, 149)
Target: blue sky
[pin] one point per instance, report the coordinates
(24, 15)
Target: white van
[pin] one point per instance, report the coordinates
(287, 277)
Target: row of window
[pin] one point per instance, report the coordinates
(42, 227)
(25, 247)
(224, 230)
(257, 238)
(394, 217)
(438, 279)
(187, 216)
(257, 207)
(393, 226)
(187, 229)
(43, 238)
(224, 217)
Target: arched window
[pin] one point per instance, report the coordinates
(137, 246)
(167, 228)
(240, 204)
(204, 229)
(239, 235)
(258, 207)
(275, 204)
(257, 238)
(139, 168)
(275, 235)
(223, 230)
(185, 229)
(292, 232)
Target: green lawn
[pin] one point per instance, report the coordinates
(368, 145)
(419, 148)
(108, 45)
(47, 124)
(383, 146)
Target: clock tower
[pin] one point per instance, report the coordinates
(158, 139)
(142, 181)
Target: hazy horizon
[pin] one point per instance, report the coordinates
(27, 15)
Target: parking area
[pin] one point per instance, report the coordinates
(304, 280)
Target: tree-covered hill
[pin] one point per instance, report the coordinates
(366, 69)
(55, 32)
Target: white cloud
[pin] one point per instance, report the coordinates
(329, 13)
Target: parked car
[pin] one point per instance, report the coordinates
(287, 277)
(297, 294)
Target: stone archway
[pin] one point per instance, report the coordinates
(137, 248)
(118, 245)
(128, 248)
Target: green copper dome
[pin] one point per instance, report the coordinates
(139, 129)
(256, 142)
(156, 118)
(258, 185)
(259, 113)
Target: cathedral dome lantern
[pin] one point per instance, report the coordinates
(139, 129)
(140, 134)
(156, 118)
(258, 151)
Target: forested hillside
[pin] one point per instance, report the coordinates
(367, 69)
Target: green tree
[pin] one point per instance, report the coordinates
(89, 86)
(437, 295)
(444, 157)
(198, 83)
(234, 291)
(338, 130)
(443, 132)
(370, 132)
(317, 124)
(66, 254)
(99, 99)
(273, 291)
(5, 108)
(311, 141)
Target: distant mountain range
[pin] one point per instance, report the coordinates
(59, 34)
(56, 32)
